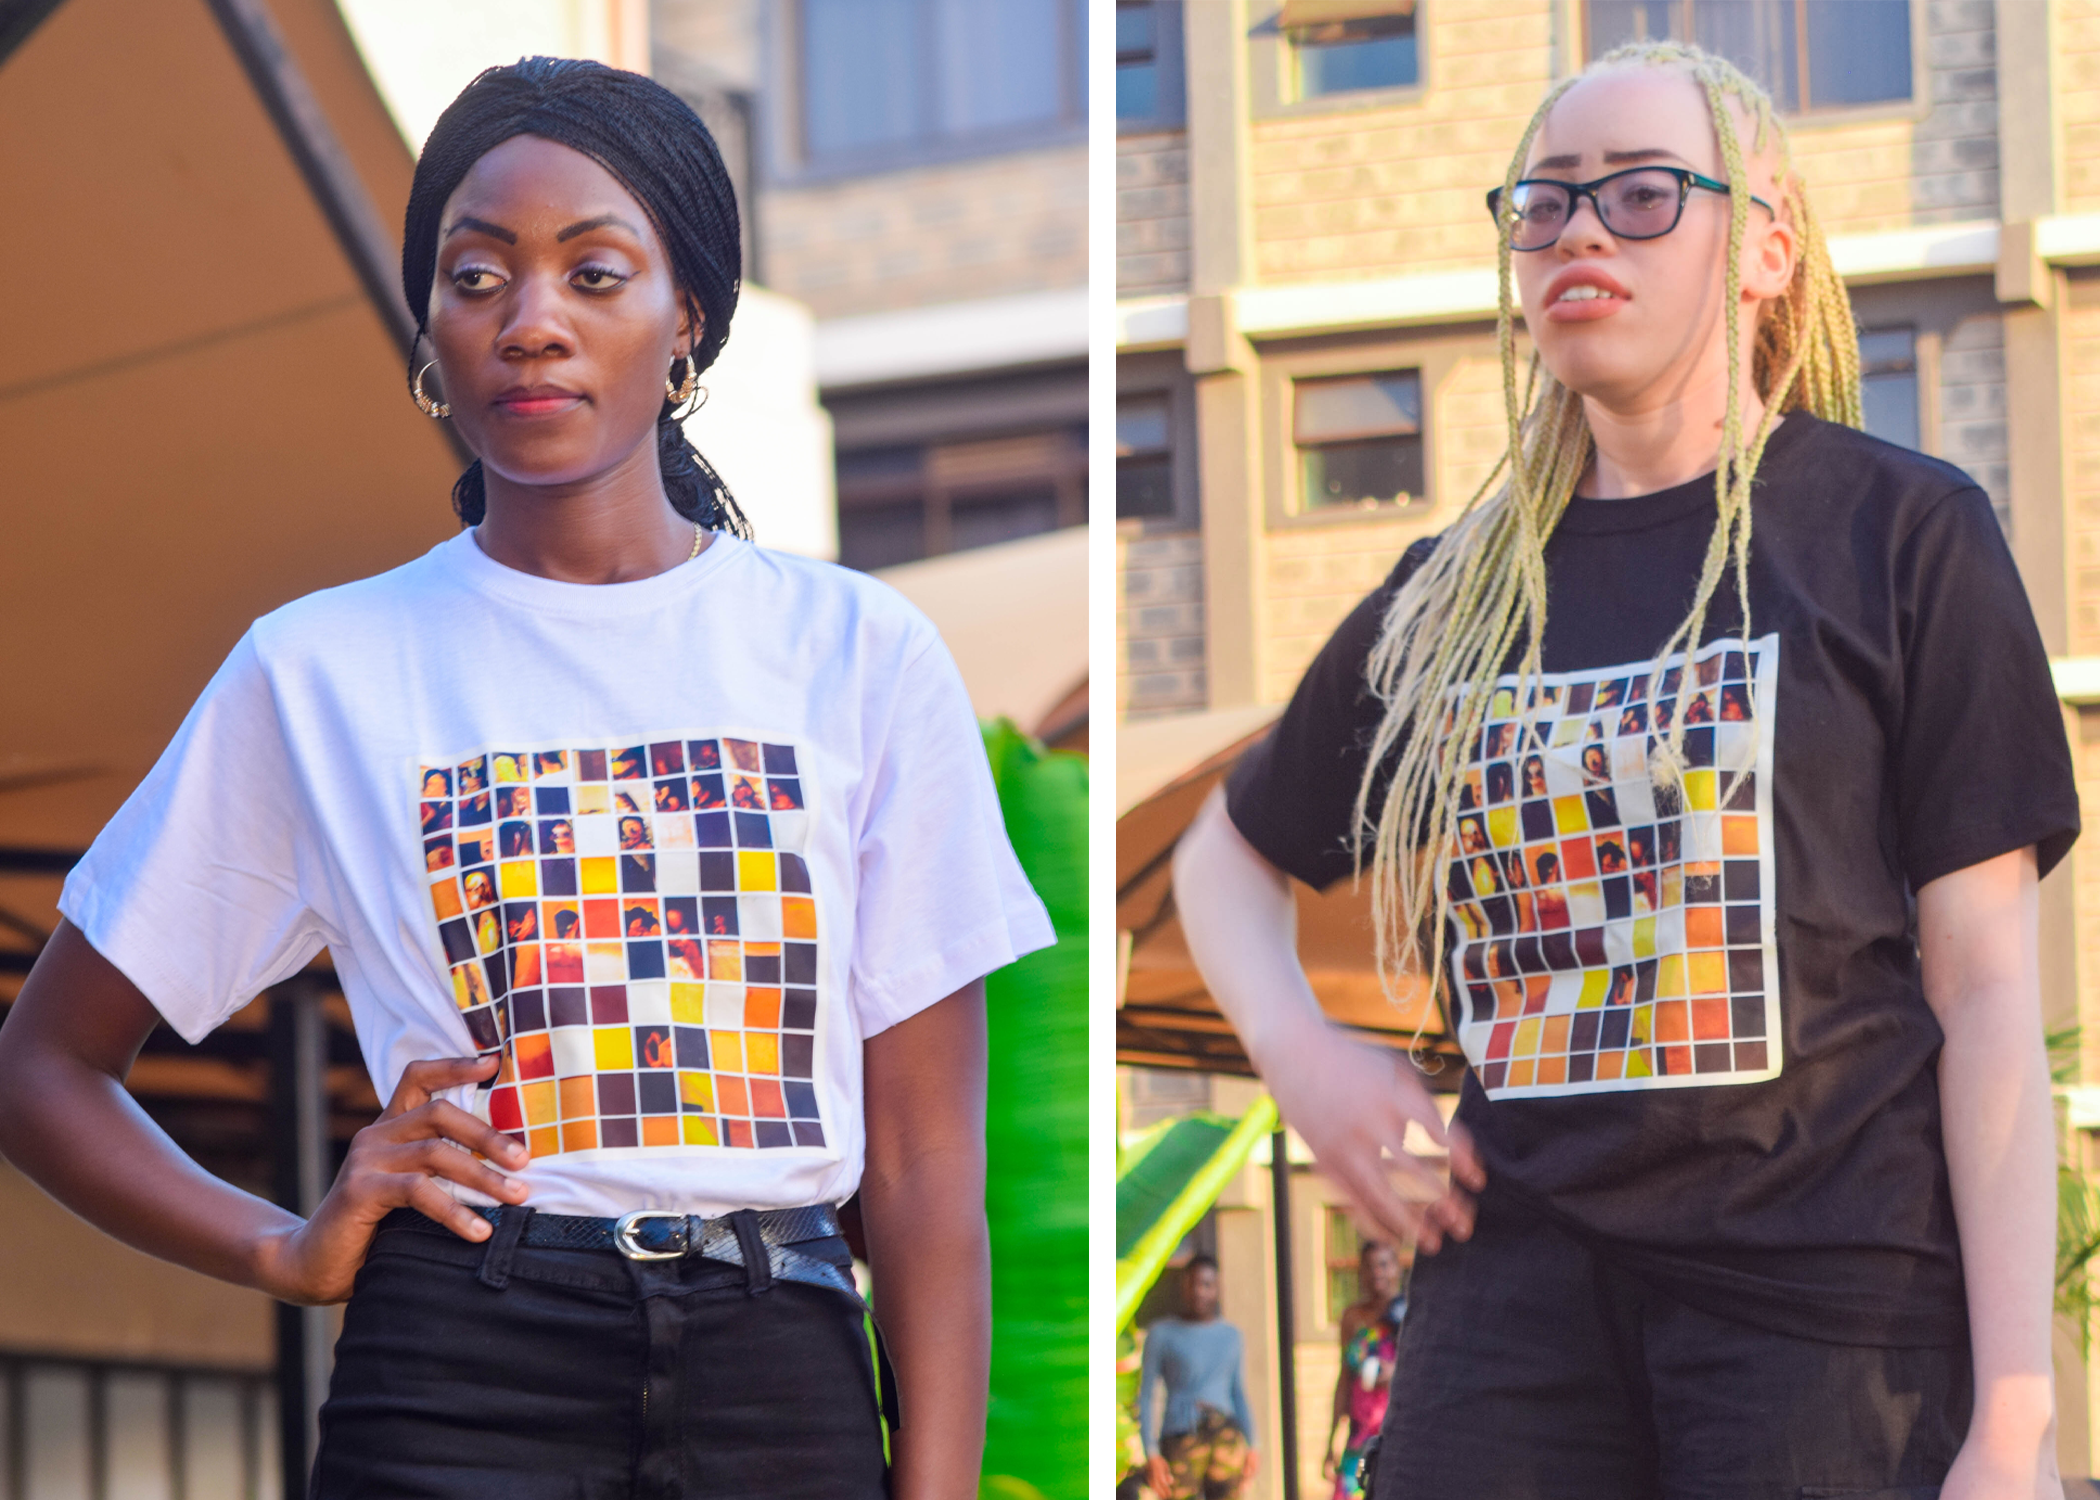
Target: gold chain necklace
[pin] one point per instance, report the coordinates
(699, 541)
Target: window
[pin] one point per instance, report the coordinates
(1359, 440)
(880, 78)
(1148, 64)
(1808, 54)
(1346, 46)
(899, 504)
(1888, 385)
(1144, 458)
(1341, 1250)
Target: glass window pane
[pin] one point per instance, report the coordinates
(1858, 51)
(1141, 425)
(1137, 90)
(1357, 406)
(1616, 21)
(1144, 487)
(1134, 30)
(1381, 471)
(880, 536)
(1758, 37)
(1002, 518)
(861, 74)
(1890, 403)
(1000, 64)
(1353, 55)
(1882, 349)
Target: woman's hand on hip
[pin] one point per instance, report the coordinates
(1353, 1104)
(398, 1161)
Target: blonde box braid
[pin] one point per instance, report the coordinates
(1480, 594)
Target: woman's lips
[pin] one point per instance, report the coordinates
(539, 403)
(1584, 311)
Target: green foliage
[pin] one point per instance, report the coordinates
(1006, 1487)
(1036, 1142)
(1150, 1182)
(2077, 1208)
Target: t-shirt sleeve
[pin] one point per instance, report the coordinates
(197, 889)
(1293, 795)
(942, 898)
(1982, 765)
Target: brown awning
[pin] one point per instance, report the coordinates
(1165, 1018)
(203, 415)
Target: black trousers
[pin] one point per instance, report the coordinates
(1531, 1369)
(581, 1375)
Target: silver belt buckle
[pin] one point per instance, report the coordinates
(623, 1235)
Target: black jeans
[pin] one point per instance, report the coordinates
(1530, 1368)
(581, 1375)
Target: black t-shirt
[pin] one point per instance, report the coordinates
(1699, 1038)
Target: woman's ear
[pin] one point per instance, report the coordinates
(1771, 250)
(692, 326)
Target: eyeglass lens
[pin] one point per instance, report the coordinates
(1637, 205)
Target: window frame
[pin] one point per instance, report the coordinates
(1162, 373)
(1433, 354)
(1168, 57)
(784, 160)
(1271, 71)
(1913, 108)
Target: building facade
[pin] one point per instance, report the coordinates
(914, 173)
(1307, 370)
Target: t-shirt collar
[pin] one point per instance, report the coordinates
(1592, 517)
(463, 558)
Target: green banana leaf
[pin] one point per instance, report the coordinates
(1157, 1166)
(1172, 1188)
(1036, 1140)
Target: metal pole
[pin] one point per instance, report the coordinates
(299, 1140)
(1286, 1315)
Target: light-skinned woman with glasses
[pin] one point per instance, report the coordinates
(1751, 1180)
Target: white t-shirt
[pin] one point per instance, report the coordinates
(674, 847)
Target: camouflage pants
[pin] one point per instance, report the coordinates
(1208, 1463)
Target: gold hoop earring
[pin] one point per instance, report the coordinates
(424, 404)
(683, 392)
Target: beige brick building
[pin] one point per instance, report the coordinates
(1299, 212)
(915, 174)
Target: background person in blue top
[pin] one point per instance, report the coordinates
(1201, 1445)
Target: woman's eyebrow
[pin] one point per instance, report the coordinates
(1611, 159)
(585, 226)
(495, 231)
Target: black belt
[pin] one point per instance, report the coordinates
(763, 1241)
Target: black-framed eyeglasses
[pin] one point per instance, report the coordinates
(1640, 203)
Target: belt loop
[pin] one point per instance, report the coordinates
(510, 1225)
(758, 1269)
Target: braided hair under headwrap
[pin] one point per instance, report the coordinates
(653, 143)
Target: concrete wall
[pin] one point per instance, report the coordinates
(2076, 46)
(1159, 623)
(1152, 213)
(988, 227)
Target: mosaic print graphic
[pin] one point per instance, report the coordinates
(1603, 941)
(632, 928)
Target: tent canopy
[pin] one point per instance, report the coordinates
(1165, 1018)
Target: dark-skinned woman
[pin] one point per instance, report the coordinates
(590, 1247)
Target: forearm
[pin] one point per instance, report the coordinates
(930, 1258)
(75, 1131)
(1240, 924)
(2001, 1166)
